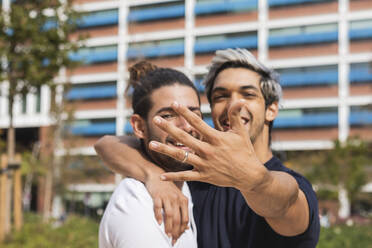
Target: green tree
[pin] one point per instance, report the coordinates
(343, 167)
(34, 46)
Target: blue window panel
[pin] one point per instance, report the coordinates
(94, 129)
(97, 19)
(307, 120)
(360, 74)
(299, 39)
(275, 3)
(360, 118)
(309, 78)
(94, 92)
(243, 42)
(209, 121)
(224, 6)
(90, 57)
(156, 51)
(128, 129)
(157, 13)
(199, 85)
(361, 33)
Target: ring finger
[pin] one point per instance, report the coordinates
(176, 153)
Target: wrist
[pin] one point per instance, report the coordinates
(259, 181)
(152, 173)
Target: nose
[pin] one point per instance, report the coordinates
(234, 97)
(184, 125)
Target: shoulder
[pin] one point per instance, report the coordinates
(275, 164)
(129, 210)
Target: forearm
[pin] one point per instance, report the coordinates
(122, 155)
(280, 201)
(273, 195)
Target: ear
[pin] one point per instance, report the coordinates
(272, 111)
(138, 125)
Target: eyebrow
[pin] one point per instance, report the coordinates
(193, 109)
(245, 87)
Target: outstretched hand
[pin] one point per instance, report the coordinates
(222, 158)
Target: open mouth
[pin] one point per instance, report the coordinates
(177, 144)
(225, 123)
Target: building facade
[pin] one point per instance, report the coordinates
(321, 48)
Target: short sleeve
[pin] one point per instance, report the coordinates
(314, 226)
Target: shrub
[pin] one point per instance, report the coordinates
(346, 237)
(76, 232)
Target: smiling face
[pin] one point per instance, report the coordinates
(233, 84)
(162, 99)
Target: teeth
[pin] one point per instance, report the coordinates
(226, 123)
(179, 144)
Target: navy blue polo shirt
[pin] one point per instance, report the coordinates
(224, 219)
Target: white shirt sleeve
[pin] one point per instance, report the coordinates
(129, 221)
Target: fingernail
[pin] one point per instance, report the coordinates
(157, 119)
(153, 144)
(162, 177)
(175, 104)
(242, 100)
(169, 235)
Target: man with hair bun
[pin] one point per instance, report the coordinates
(243, 195)
(129, 219)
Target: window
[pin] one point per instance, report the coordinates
(159, 48)
(303, 35)
(92, 55)
(306, 118)
(99, 18)
(93, 127)
(308, 76)
(207, 44)
(92, 91)
(207, 7)
(360, 73)
(361, 29)
(360, 115)
(169, 10)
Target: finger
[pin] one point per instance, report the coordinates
(168, 218)
(176, 228)
(236, 122)
(157, 210)
(178, 134)
(191, 175)
(184, 214)
(194, 120)
(176, 153)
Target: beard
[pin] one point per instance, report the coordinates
(165, 162)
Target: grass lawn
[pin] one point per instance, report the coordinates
(75, 232)
(80, 232)
(346, 237)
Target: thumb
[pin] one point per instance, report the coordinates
(236, 122)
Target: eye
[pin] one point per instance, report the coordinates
(167, 116)
(248, 94)
(198, 113)
(219, 97)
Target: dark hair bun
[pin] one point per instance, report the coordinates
(138, 71)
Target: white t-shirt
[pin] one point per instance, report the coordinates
(129, 220)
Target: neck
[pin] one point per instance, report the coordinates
(261, 146)
(179, 184)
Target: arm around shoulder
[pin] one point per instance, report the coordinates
(123, 155)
